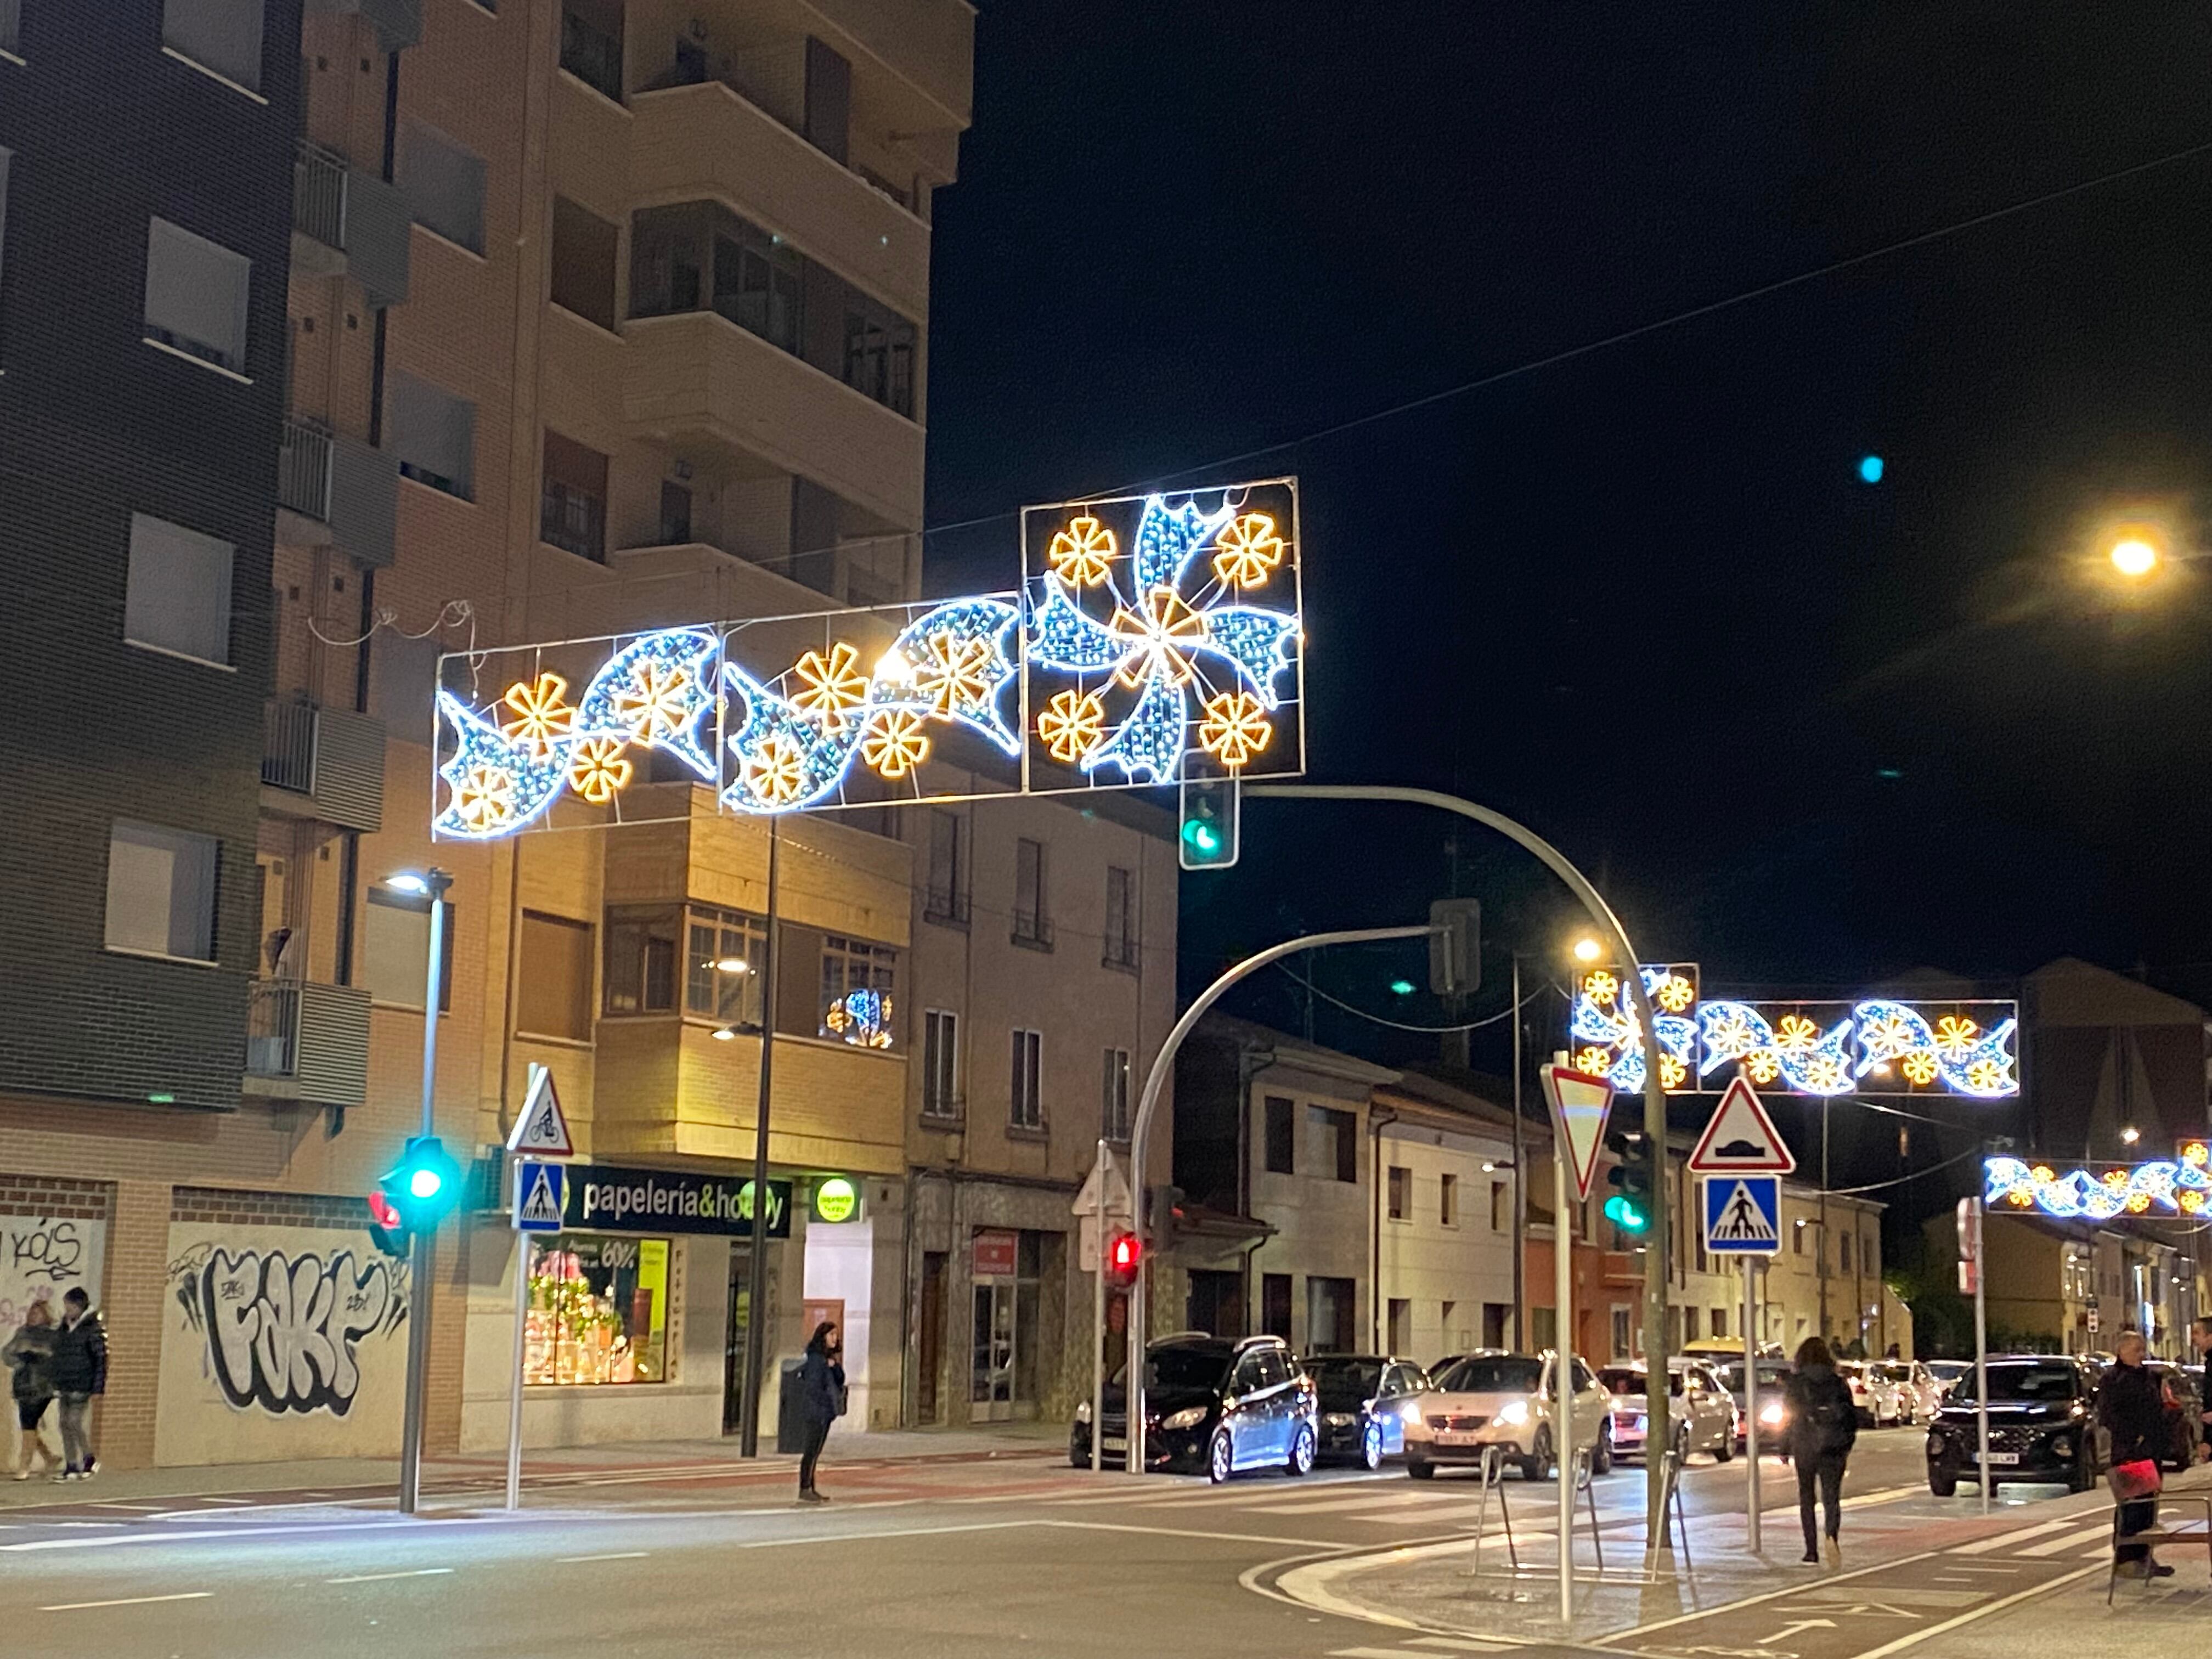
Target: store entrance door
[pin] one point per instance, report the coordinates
(733, 1349)
(991, 1386)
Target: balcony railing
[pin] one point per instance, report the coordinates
(303, 470)
(332, 756)
(1120, 953)
(349, 223)
(1033, 931)
(592, 55)
(944, 905)
(309, 1042)
(572, 521)
(288, 746)
(319, 194)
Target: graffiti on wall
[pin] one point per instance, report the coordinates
(44, 1257)
(282, 1330)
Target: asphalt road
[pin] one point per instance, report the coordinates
(1015, 1557)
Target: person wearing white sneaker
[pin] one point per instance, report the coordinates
(25, 1356)
(78, 1370)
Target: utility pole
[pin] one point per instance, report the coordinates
(1820, 1260)
(1520, 1163)
(757, 1332)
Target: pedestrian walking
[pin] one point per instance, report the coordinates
(25, 1356)
(2132, 1409)
(822, 1398)
(78, 1370)
(2200, 1337)
(1824, 1423)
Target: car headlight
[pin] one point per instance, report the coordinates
(1188, 1418)
(1409, 1411)
(1937, 1445)
(1338, 1419)
(1083, 1411)
(2063, 1446)
(1514, 1413)
(1770, 1414)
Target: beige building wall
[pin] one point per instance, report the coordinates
(1440, 1281)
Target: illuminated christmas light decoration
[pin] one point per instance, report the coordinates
(1160, 636)
(862, 1018)
(657, 691)
(1600, 988)
(1955, 1036)
(1235, 728)
(2197, 1153)
(1083, 553)
(896, 744)
(1795, 1034)
(2175, 1186)
(598, 772)
(485, 796)
(1248, 551)
(1071, 724)
(1957, 1051)
(776, 772)
(834, 684)
(953, 672)
(495, 785)
(542, 714)
(1673, 993)
(1594, 1062)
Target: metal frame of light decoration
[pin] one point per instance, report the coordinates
(2177, 1185)
(1872, 1045)
(1136, 607)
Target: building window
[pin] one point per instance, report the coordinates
(598, 1309)
(675, 513)
(6, 156)
(1689, 1324)
(161, 891)
(196, 294)
(878, 353)
(584, 247)
(1027, 1110)
(555, 997)
(395, 950)
(1329, 1311)
(572, 512)
(1120, 918)
(433, 434)
(1718, 1324)
(1620, 1333)
(444, 185)
(178, 598)
(1797, 1239)
(947, 899)
(1843, 1253)
(591, 44)
(856, 991)
(1282, 1136)
(1501, 1205)
(1114, 1095)
(1401, 1323)
(1336, 1139)
(1275, 1305)
(1401, 1192)
(1032, 926)
(1448, 1200)
(941, 1059)
(223, 36)
(722, 978)
(640, 964)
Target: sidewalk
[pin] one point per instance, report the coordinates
(541, 1466)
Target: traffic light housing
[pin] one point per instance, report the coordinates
(1454, 947)
(1125, 1254)
(1630, 1206)
(1208, 839)
(423, 1188)
(386, 1228)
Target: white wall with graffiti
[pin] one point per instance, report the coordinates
(43, 1257)
(279, 1341)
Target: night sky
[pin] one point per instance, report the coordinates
(1805, 732)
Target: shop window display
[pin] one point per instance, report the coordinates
(598, 1309)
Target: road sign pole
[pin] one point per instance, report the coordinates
(1751, 1397)
(514, 1385)
(1098, 1321)
(1981, 1352)
(1563, 1370)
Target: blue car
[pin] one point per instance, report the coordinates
(1363, 1400)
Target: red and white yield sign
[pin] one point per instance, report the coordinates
(1579, 1104)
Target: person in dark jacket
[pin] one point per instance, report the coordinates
(822, 1399)
(77, 1367)
(1824, 1423)
(26, 1357)
(2200, 1337)
(2132, 1409)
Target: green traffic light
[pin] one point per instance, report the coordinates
(425, 1184)
(1402, 988)
(1623, 1213)
(1202, 836)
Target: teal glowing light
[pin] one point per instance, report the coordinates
(1870, 469)
(1402, 988)
(425, 1184)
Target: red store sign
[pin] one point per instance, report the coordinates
(997, 1254)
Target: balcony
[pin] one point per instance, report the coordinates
(697, 143)
(326, 764)
(697, 378)
(346, 222)
(337, 490)
(307, 1041)
(1032, 931)
(930, 44)
(398, 23)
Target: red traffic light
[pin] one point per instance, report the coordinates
(383, 1212)
(1123, 1253)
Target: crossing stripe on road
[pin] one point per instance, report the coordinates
(2071, 1540)
(2003, 1539)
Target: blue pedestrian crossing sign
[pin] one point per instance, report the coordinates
(1743, 1215)
(541, 1191)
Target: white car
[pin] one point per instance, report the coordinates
(1495, 1400)
(1704, 1416)
(1878, 1396)
(1918, 1393)
(1947, 1373)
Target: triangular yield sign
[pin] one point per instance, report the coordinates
(541, 1128)
(1579, 1103)
(541, 1204)
(1742, 1139)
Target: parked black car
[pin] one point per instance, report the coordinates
(1364, 1398)
(1212, 1405)
(2184, 1413)
(2042, 1426)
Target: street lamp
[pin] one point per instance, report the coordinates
(2129, 1135)
(2134, 556)
(1587, 949)
(429, 884)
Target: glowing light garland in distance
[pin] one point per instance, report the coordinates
(2169, 1185)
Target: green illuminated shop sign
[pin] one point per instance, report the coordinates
(835, 1199)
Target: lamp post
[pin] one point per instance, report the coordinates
(432, 884)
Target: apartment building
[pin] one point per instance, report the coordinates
(1442, 1235)
(547, 319)
(1827, 1281)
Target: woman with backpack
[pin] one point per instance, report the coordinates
(1824, 1422)
(822, 1401)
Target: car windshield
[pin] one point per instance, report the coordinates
(1183, 1365)
(1491, 1374)
(1626, 1379)
(2021, 1382)
(1344, 1383)
(1946, 1370)
(1895, 1373)
(1770, 1376)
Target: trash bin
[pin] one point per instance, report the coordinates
(790, 1411)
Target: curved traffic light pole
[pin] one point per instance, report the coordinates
(1655, 1106)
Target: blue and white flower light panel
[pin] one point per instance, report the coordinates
(1155, 638)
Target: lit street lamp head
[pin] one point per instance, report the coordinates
(431, 883)
(1587, 949)
(2134, 556)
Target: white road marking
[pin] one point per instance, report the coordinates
(1968, 1617)
(2018, 1536)
(1192, 1532)
(613, 1555)
(870, 1537)
(2069, 1541)
(379, 1577)
(1462, 1645)
(234, 1503)
(1376, 1653)
(128, 1602)
(1398, 1500)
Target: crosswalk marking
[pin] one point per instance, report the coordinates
(2070, 1541)
(1459, 1644)
(2004, 1539)
(1400, 1499)
(1422, 1647)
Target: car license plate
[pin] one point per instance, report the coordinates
(1113, 1442)
(2003, 1457)
(1457, 1437)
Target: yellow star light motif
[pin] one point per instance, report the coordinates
(1955, 1035)
(1601, 988)
(1671, 1072)
(1071, 724)
(598, 770)
(776, 771)
(1247, 553)
(834, 684)
(1235, 728)
(1763, 1065)
(1918, 1066)
(1824, 1072)
(656, 702)
(542, 714)
(2191, 1202)
(1082, 552)
(896, 744)
(485, 796)
(1673, 993)
(1796, 1032)
(953, 672)
(1593, 1062)
(1986, 1074)
(1163, 631)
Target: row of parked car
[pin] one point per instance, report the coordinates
(2043, 1422)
